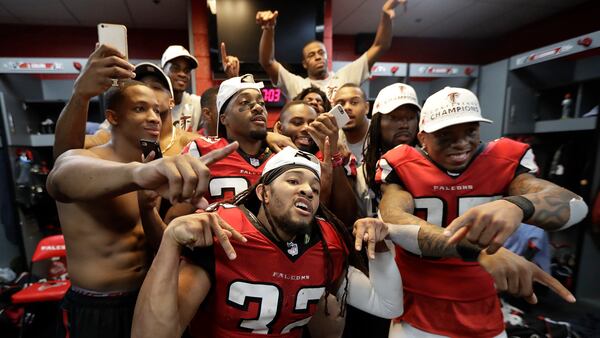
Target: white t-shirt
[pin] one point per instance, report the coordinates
(186, 115)
(355, 72)
(355, 148)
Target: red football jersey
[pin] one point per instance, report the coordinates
(271, 288)
(231, 175)
(434, 287)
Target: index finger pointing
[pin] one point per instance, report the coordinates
(219, 154)
(452, 229)
(540, 276)
(223, 53)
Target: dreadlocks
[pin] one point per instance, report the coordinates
(250, 201)
(372, 153)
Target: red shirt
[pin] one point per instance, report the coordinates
(271, 288)
(433, 287)
(231, 175)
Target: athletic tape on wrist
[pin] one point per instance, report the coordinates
(577, 212)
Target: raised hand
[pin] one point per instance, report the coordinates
(103, 65)
(370, 230)
(487, 225)
(231, 64)
(324, 126)
(266, 19)
(200, 229)
(389, 7)
(515, 275)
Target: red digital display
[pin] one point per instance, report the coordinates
(271, 95)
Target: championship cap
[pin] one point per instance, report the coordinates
(287, 159)
(147, 68)
(394, 96)
(448, 107)
(230, 87)
(175, 51)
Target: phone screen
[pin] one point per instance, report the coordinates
(148, 146)
(114, 36)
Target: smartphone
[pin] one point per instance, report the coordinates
(148, 146)
(114, 36)
(341, 117)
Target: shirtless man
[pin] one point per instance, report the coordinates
(95, 191)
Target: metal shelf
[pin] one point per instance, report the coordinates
(35, 140)
(575, 124)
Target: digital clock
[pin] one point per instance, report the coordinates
(273, 97)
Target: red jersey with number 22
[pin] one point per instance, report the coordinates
(231, 175)
(449, 296)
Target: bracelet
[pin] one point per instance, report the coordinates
(523, 203)
(337, 160)
(468, 253)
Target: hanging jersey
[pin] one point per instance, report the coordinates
(271, 288)
(231, 175)
(449, 296)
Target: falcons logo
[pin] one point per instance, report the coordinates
(452, 97)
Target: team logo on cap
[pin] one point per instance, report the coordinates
(452, 97)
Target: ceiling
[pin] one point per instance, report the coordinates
(446, 18)
(422, 18)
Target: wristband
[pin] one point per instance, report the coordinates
(524, 204)
(337, 160)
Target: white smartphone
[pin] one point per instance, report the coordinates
(114, 36)
(341, 117)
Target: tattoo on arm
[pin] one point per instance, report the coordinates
(551, 202)
(398, 207)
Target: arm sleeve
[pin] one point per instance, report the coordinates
(385, 173)
(381, 293)
(291, 84)
(527, 165)
(355, 72)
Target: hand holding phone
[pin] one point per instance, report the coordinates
(340, 115)
(114, 36)
(148, 146)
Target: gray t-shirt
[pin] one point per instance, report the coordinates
(355, 72)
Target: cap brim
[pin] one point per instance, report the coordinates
(433, 127)
(190, 58)
(141, 69)
(392, 108)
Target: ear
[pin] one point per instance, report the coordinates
(171, 103)
(304, 63)
(260, 189)
(421, 137)
(277, 128)
(222, 118)
(112, 117)
(205, 112)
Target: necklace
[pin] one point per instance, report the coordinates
(173, 130)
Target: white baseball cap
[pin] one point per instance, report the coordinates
(394, 96)
(230, 87)
(175, 51)
(147, 68)
(291, 158)
(448, 107)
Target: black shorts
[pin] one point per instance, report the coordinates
(89, 315)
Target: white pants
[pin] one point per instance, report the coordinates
(405, 330)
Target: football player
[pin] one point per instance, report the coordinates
(489, 189)
(290, 252)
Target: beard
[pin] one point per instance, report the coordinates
(291, 227)
(258, 134)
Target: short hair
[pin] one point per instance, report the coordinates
(316, 90)
(209, 97)
(114, 96)
(353, 85)
(308, 43)
(290, 104)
